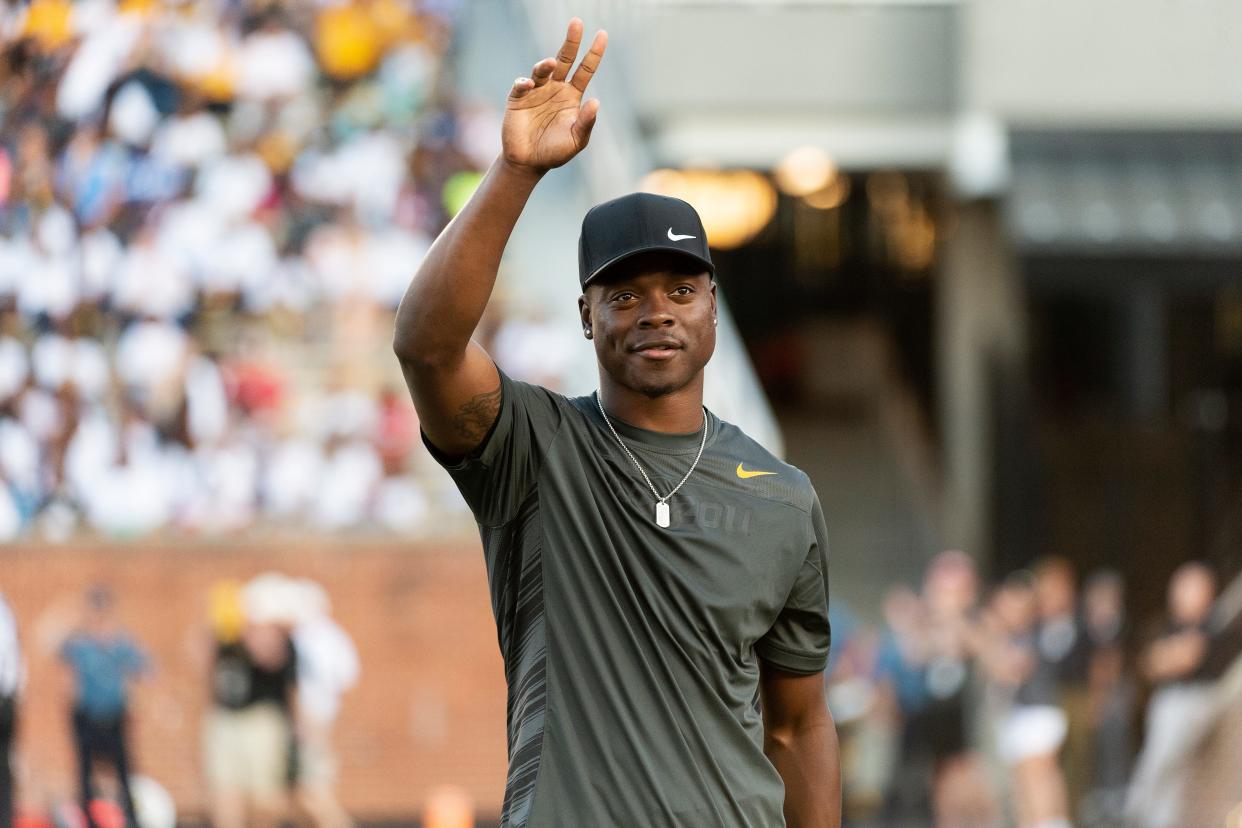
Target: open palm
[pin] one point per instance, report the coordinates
(546, 123)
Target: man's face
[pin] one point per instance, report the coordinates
(652, 319)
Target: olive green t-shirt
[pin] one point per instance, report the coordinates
(632, 651)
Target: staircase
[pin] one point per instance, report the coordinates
(860, 435)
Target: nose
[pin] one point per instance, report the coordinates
(656, 312)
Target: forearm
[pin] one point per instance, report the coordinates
(806, 756)
(447, 297)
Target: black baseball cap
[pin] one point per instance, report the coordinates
(635, 223)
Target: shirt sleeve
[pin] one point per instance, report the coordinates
(499, 475)
(799, 640)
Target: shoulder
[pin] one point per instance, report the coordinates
(533, 397)
(762, 471)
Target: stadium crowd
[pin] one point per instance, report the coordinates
(208, 213)
(1035, 702)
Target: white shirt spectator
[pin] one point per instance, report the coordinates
(346, 486)
(95, 64)
(133, 116)
(56, 232)
(274, 64)
(102, 255)
(152, 282)
(190, 140)
(291, 477)
(327, 667)
(233, 186)
(535, 350)
(19, 455)
(129, 499)
(193, 44)
(92, 452)
(341, 413)
(366, 173)
(290, 287)
(150, 354)
(206, 400)
(393, 256)
(40, 414)
(230, 473)
(190, 232)
(49, 287)
(14, 367)
(333, 253)
(246, 256)
(82, 362)
(17, 258)
(400, 505)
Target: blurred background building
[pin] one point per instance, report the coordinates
(981, 262)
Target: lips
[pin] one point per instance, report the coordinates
(657, 348)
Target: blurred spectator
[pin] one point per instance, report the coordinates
(248, 732)
(960, 795)
(327, 668)
(901, 671)
(1064, 655)
(1182, 704)
(1111, 698)
(104, 659)
(1033, 732)
(10, 684)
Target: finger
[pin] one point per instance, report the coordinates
(582, 127)
(542, 71)
(590, 63)
(520, 87)
(569, 50)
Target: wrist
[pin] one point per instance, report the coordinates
(519, 172)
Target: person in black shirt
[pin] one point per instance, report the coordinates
(248, 731)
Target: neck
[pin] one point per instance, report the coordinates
(679, 412)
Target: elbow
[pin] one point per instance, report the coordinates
(404, 349)
(779, 740)
(425, 358)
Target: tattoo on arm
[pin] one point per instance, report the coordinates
(475, 418)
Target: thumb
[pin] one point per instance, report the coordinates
(582, 127)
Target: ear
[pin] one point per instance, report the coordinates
(713, 292)
(584, 313)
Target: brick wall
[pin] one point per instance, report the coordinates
(429, 709)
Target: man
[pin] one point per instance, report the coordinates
(657, 577)
(248, 731)
(10, 684)
(327, 667)
(1183, 705)
(103, 659)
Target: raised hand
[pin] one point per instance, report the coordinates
(546, 123)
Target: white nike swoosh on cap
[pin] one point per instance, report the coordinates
(677, 237)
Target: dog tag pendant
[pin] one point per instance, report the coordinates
(662, 514)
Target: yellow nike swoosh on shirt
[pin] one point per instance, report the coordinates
(746, 474)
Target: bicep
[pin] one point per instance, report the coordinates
(457, 402)
(790, 700)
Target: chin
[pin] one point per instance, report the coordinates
(655, 386)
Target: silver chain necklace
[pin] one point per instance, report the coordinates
(661, 505)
